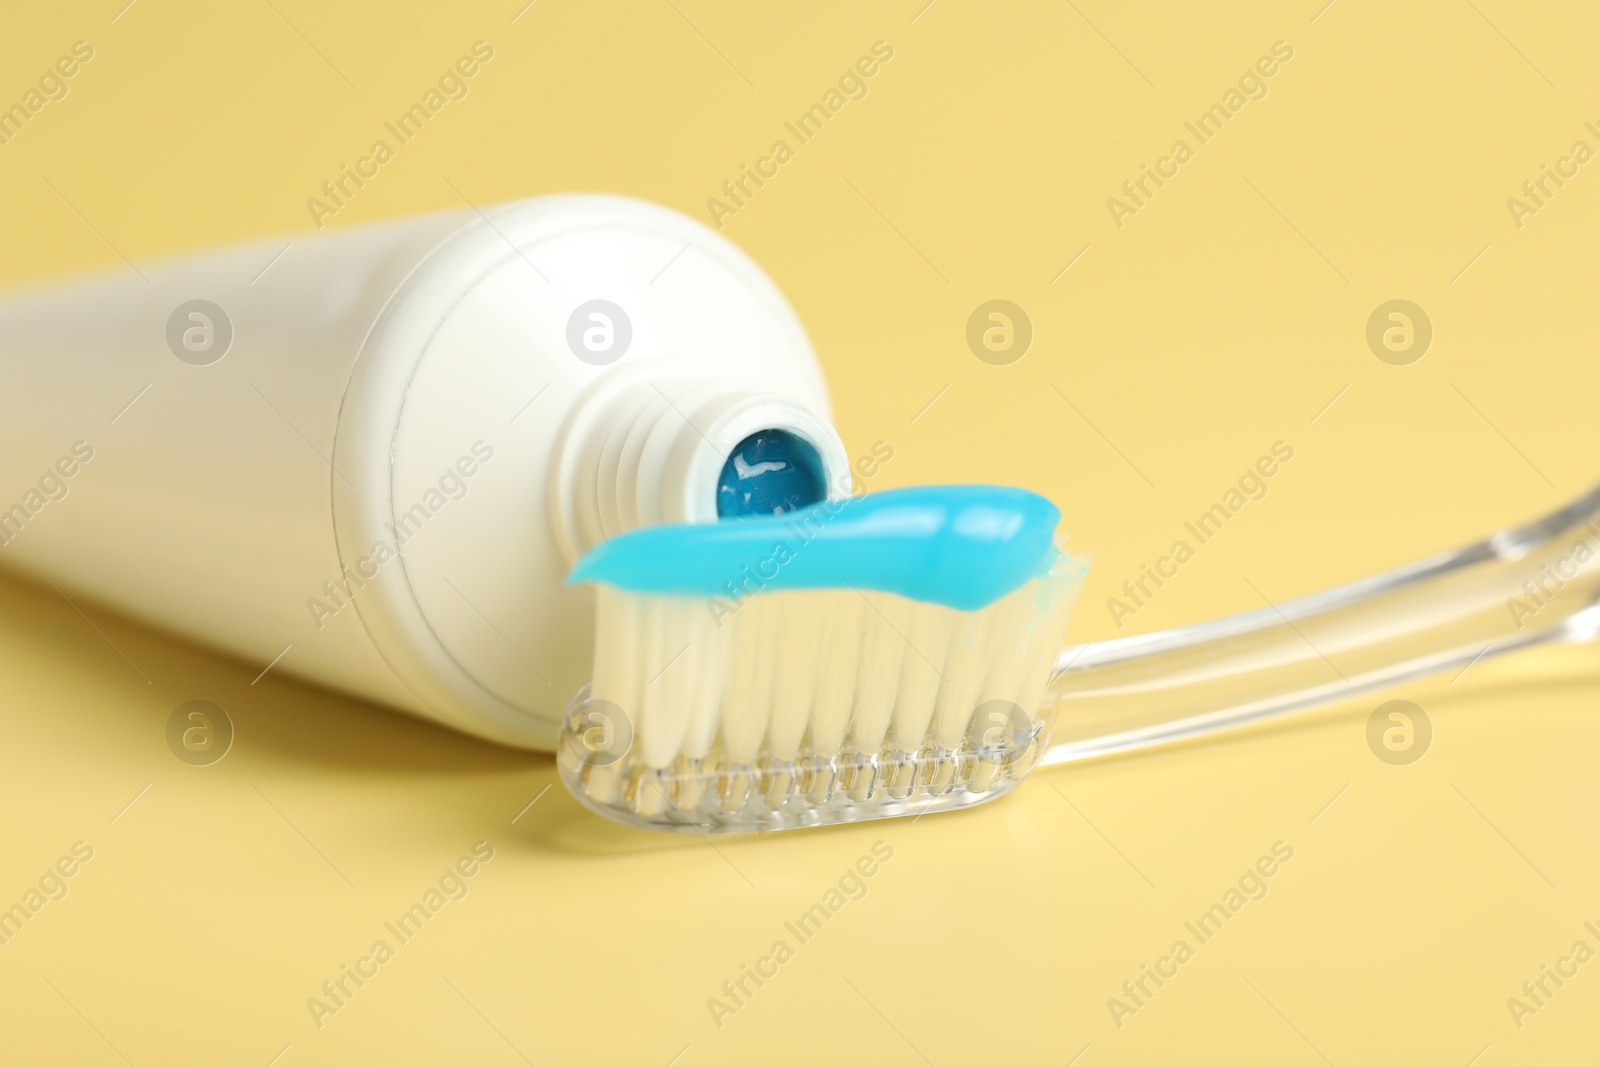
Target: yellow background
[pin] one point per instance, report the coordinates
(1224, 316)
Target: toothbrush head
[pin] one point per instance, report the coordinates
(863, 658)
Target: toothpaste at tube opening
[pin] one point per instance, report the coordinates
(963, 546)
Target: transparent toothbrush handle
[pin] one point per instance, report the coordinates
(1438, 614)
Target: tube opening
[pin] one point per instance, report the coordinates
(769, 473)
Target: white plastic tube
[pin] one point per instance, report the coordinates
(377, 455)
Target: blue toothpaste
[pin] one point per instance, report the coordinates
(963, 546)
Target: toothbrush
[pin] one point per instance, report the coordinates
(899, 653)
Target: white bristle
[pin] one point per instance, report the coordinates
(1006, 652)
(820, 674)
(664, 706)
(966, 667)
(883, 649)
(1044, 641)
(747, 700)
(704, 673)
(799, 635)
(921, 672)
(838, 620)
(616, 659)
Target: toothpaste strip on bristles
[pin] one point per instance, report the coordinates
(874, 623)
